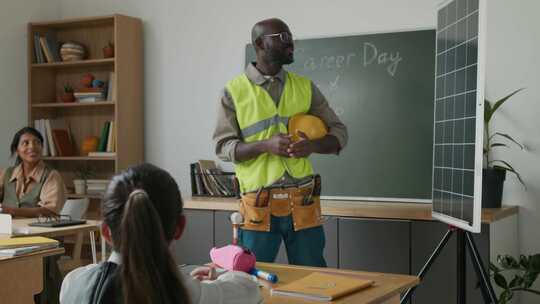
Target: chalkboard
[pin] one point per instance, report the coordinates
(381, 86)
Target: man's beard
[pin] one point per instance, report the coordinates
(279, 56)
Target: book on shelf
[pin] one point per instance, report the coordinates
(101, 154)
(63, 143)
(48, 130)
(208, 179)
(38, 54)
(50, 47)
(89, 99)
(39, 125)
(204, 165)
(102, 146)
(110, 138)
(322, 287)
(111, 87)
(57, 140)
(54, 46)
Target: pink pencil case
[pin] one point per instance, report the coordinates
(232, 257)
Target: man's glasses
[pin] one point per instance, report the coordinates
(285, 37)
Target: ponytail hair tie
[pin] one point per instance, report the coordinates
(137, 192)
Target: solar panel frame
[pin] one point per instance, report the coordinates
(459, 107)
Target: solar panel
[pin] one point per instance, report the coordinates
(458, 113)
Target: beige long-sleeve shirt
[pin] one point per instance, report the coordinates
(53, 194)
(227, 132)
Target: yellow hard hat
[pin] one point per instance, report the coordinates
(312, 126)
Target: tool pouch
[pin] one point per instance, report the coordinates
(255, 218)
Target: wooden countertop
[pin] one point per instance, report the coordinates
(364, 209)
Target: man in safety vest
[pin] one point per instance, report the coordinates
(280, 193)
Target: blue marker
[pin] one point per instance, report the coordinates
(264, 275)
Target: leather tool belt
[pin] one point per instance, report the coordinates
(302, 201)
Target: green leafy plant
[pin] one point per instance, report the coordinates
(525, 271)
(84, 172)
(68, 88)
(493, 140)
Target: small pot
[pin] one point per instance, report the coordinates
(67, 97)
(80, 186)
(492, 187)
(108, 52)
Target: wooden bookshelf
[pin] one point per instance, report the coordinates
(73, 104)
(76, 64)
(46, 81)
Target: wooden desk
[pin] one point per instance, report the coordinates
(22, 277)
(386, 289)
(78, 230)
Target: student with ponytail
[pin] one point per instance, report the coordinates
(142, 215)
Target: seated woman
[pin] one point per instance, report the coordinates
(142, 214)
(30, 188)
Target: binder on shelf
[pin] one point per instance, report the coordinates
(208, 180)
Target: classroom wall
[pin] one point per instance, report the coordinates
(14, 16)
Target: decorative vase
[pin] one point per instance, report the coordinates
(72, 51)
(90, 144)
(80, 186)
(67, 97)
(492, 187)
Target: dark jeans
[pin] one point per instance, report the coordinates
(304, 247)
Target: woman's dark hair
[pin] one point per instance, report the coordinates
(17, 138)
(141, 207)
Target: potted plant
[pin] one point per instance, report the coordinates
(82, 173)
(494, 171)
(68, 95)
(524, 272)
(108, 50)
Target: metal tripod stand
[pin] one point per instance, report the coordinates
(464, 241)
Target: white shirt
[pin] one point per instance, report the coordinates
(230, 287)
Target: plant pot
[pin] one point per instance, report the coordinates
(80, 186)
(67, 97)
(108, 52)
(492, 187)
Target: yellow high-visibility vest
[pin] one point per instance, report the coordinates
(260, 119)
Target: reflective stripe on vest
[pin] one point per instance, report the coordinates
(259, 119)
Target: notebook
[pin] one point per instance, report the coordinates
(322, 287)
(26, 241)
(11, 252)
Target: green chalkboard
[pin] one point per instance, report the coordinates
(381, 86)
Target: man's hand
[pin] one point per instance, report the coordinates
(302, 148)
(278, 144)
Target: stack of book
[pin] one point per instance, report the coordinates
(96, 186)
(57, 140)
(23, 245)
(46, 48)
(90, 94)
(208, 180)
